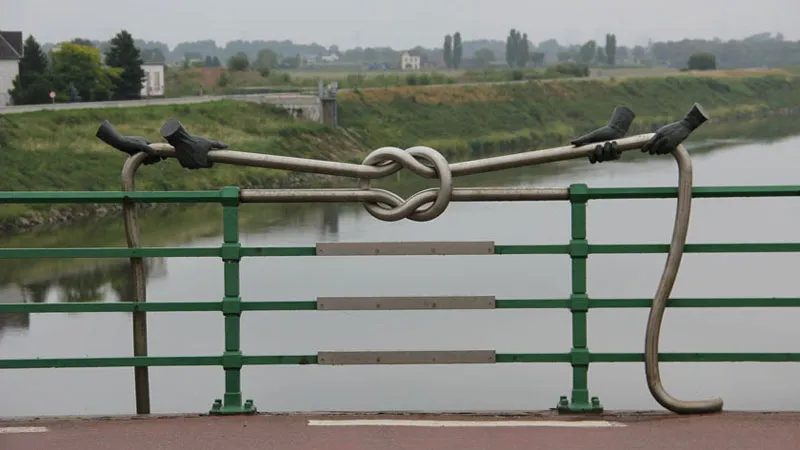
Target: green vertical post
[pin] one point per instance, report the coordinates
(231, 403)
(579, 400)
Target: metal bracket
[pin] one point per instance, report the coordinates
(407, 357)
(404, 248)
(399, 303)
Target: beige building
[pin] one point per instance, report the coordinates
(409, 62)
(153, 83)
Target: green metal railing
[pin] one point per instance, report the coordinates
(232, 306)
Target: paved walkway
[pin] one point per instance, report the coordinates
(280, 99)
(653, 431)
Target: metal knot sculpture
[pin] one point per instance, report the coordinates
(602, 144)
(423, 161)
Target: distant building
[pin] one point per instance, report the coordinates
(193, 57)
(10, 54)
(330, 58)
(325, 59)
(409, 62)
(153, 84)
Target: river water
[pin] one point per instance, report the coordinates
(766, 386)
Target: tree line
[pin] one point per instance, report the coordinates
(591, 53)
(264, 62)
(77, 71)
(759, 50)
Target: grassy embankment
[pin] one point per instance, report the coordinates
(219, 80)
(475, 120)
(58, 150)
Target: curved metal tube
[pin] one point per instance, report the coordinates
(140, 374)
(679, 232)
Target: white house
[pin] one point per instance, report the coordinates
(10, 54)
(409, 62)
(153, 84)
(330, 58)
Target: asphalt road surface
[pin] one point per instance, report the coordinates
(654, 431)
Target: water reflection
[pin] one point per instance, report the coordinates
(329, 227)
(81, 286)
(15, 321)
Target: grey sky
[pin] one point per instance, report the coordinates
(399, 24)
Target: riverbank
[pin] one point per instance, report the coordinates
(172, 225)
(58, 151)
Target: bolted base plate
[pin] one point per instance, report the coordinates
(565, 407)
(217, 409)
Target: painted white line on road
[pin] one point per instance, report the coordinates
(467, 423)
(10, 430)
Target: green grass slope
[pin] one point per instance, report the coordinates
(521, 116)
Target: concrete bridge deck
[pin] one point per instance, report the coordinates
(651, 431)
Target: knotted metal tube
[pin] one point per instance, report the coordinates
(392, 160)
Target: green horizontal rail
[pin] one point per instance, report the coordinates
(166, 361)
(83, 197)
(696, 357)
(151, 361)
(540, 249)
(21, 308)
(697, 192)
(278, 251)
(215, 196)
(751, 247)
(311, 305)
(206, 252)
(110, 252)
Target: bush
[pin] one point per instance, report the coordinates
(702, 61)
(475, 146)
(239, 62)
(223, 80)
(569, 69)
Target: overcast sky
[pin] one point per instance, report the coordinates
(399, 24)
